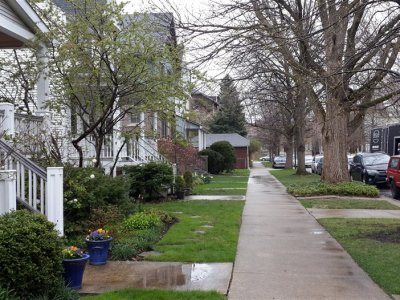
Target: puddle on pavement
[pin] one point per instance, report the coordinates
(207, 226)
(118, 274)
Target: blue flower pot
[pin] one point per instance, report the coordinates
(98, 251)
(73, 271)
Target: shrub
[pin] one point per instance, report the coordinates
(100, 217)
(207, 179)
(344, 188)
(197, 180)
(7, 294)
(228, 153)
(30, 254)
(188, 177)
(140, 221)
(179, 184)
(86, 189)
(149, 180)
(128, 247)
(215, 161)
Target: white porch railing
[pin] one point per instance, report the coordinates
(34, 188)
(142, 151)
(23, 123)
(21, 180)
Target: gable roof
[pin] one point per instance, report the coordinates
(235, 139)
(213, 99)
(18, 23)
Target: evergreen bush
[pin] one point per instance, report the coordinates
(149, 180)
(228, 153)
(179, 184)
(86, 189)
(215, 161)
(188, 177)
(30, 255)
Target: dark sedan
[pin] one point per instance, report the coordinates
(370, 168)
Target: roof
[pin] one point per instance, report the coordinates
(213, 99)
(19, 22)
(235, 139)
(69, 8)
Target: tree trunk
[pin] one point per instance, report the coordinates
(299, 113)
(334, 143)
(288, 147)
(80, 152)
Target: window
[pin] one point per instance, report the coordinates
(135, 118)
(394, 163)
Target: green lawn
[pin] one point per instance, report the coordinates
(311, 185)
(207, 231)
(267, 164)
(347, 204)
(152, 294)
(234, 183)
(374, 244)
(288, 177)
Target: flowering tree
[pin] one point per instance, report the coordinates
(182, 153)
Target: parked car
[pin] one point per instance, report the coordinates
(320, 166)
(370, 168)
(314, 163)
(349, 160)
(308, 161)
(393, 176)
(264, 158)
(279, 162)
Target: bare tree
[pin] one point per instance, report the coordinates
(342, 55)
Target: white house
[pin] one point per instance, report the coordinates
(20, 179)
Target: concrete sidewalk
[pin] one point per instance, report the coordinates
(319, 213)
(284, 253)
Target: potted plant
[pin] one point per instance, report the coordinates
(98, 243)
(179, 187)
(188, 177)
(74, 263)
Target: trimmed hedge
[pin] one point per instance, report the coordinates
(30, 255)
(215, 161)
(228, 153)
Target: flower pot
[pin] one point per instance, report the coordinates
(73, 271)
(188, 191)
(180, 195)
(98, 251)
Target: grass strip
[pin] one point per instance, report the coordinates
(152, 294)
(347, 204)
(311, 185)
(374, 244)
(234, 183)
(207, 231)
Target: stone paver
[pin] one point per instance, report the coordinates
(283, 252)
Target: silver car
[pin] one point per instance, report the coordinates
(279, 162)
(314, 163)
